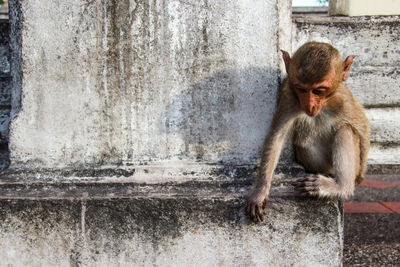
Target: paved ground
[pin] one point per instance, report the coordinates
(372, 223)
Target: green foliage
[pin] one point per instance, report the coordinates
(323, 1)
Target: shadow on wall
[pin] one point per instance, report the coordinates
(223, 118)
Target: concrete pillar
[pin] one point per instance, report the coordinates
(121, 82)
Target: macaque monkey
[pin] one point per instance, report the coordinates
(329, 128)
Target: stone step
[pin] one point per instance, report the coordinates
(371, 239)
(378, 188)
(198, 221)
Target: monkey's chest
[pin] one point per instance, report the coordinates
(313, 132)
(313, 139)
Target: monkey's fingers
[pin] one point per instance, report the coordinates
(260, 213)
(311, 177)
(254, 213)
(305, 188)
(305, 179)
(264, 204)
(303, 183)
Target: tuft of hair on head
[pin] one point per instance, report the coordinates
(313, 61)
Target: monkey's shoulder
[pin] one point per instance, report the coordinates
(344, 105)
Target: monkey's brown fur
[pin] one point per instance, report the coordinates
(330, 129)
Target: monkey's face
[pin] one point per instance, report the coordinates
(313, 97)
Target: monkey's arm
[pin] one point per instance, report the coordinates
(346, 165)
(258, 198)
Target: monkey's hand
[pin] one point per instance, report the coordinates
(316, 185)
(255, 204)
(307, 186)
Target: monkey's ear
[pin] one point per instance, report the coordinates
(346, 67)
(286, 59)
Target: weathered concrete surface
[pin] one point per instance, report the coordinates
(5, 82)
(112, 222)
(364, 7)
(5, 92)
(107, 82)
(374, 79)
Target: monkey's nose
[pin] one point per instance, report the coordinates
(312, 111)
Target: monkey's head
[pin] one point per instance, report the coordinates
(314, 73)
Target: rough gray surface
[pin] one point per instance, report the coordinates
(123, 216)
(372, 239)
(166, 232)
(5, 92)
(5, 82)
(374, 79)
(161, 225)
(107, 82)
(15, 37)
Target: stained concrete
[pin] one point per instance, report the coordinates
(193, 222)
(5, 92)
(107, 82)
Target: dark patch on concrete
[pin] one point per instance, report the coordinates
(4, 32)
(111, 190)
(59, 175)
(16, 22)
(234, 172)
(390, 23)
(154, 218)
(246, 172)
(109, 172)
(5, 92)
(386, 145)
(309, 214)
(383, 105)
(207, 107)
(39, 223)
(384, 169)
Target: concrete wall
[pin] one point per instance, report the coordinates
(374, 78)
(177, 119)
(135, 127)
(108, 82)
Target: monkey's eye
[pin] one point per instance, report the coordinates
(301, 90)
(317, 92)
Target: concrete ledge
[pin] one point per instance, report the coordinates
(310, 10)
(193, 222)
(364, 7)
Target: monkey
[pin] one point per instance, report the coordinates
(328, 126)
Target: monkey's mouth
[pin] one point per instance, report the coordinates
(312, 114)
